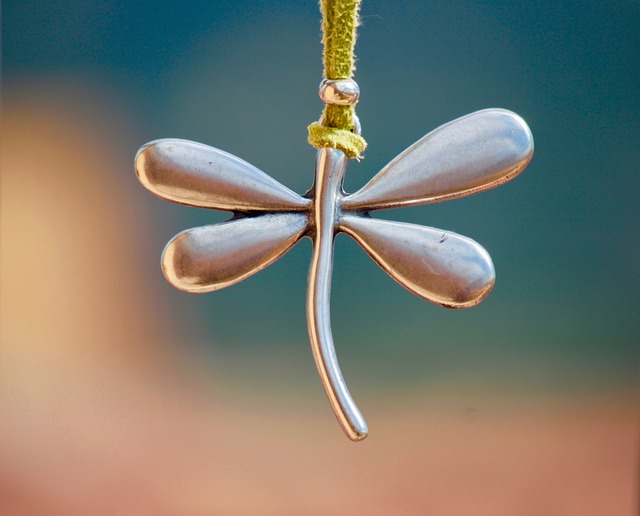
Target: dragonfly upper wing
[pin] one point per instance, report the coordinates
(198, 175)
(212, 257)
(441, 267)
(470, 154)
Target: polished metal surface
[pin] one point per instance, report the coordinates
(341, 92)
(357, 128)
(198, 175)
(213, 257)
(468, 155)
(439, 266)
(330, 168)
(473, 153)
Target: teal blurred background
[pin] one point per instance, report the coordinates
(562, 320)
(242, 76)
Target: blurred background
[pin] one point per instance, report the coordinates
(124, 396)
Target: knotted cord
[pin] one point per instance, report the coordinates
(337, 128)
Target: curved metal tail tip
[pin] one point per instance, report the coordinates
(330, 168)
(343, 405)
(358, 433)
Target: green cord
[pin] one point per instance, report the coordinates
(336, 127)
(339, 22)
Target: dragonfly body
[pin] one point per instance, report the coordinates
(330, 168)
(468, 155)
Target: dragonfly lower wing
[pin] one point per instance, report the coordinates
(439, 266)
(198, 175)
(212, 257)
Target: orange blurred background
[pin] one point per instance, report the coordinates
(109, 408)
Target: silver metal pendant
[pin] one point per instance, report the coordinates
(473, 153)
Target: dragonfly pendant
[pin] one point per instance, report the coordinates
(473, 153)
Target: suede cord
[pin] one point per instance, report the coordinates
(336, 127)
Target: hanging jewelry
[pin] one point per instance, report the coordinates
(473, 153)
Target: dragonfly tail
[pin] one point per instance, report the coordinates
(324, 353)
(329, 170)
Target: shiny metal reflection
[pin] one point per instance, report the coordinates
(476, 152)
(440, 266)
(213, 257)
(330, 168)
(473, 153)
(341, 92)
